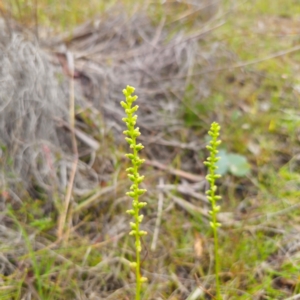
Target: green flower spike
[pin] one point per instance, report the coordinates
(212, 197)
(133, 174)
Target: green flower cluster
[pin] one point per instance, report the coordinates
(212, 176)
(212, 197)
(133, 174)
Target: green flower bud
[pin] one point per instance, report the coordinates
(129, 140)
(130, 194)
(133, 225)
(142, 204)
(133, 265)
(142, 232)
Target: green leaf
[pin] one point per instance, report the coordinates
(222, 164)
(236, 164)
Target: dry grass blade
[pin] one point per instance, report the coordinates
(66, 205)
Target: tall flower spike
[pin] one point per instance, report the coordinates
(133, 174)
(212, 197)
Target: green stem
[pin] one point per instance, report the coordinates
(216, 242)
(138, 270)
(217, 265)
(137, 235)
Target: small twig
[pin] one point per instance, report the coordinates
(97, 197)
(190, 146)
(187, 14)
(189, 207)
(226, 218)
(185, 189)
(32, 289)
(269, 216)
(159, 216)
(202, 288)
(88, 140)
(238, 65)
(295, 297)
(172, 171)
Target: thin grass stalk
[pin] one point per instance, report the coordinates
(64, 215)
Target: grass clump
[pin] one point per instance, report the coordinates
(133, 173)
